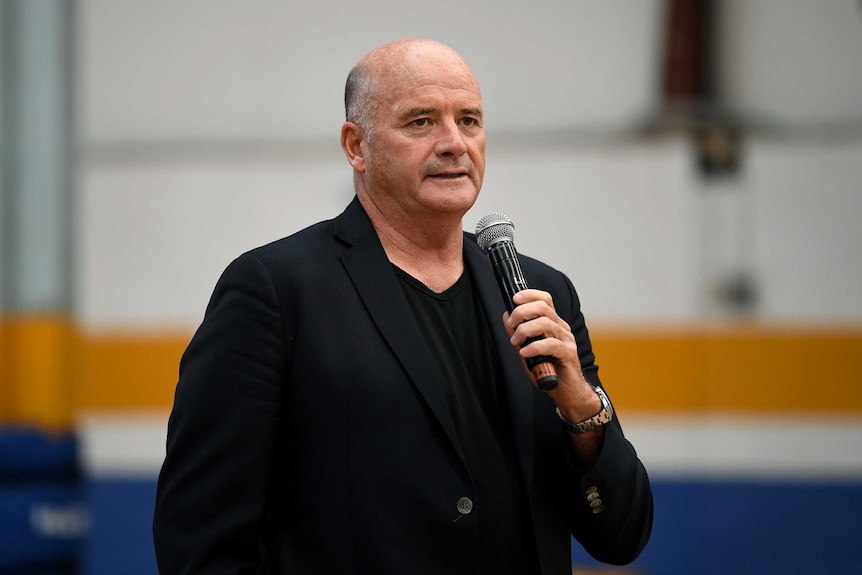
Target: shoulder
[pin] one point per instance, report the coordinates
(318, 242)
(540, 275)
(543, 276)
(296, 244)
(541, 272)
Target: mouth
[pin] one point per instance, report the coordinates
(448, 175)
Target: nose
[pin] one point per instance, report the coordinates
(450, 141)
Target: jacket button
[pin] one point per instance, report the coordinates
(464, 505)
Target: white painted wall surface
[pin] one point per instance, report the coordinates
(630, 225)
(196, 69)
(211, 127)
(617, 219)
(793, 63)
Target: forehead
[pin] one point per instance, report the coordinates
(429, 74)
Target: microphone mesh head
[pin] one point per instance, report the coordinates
(494, 227)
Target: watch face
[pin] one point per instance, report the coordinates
(607, 412)
(606, 402)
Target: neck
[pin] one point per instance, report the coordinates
(436, 270)
(430, 250)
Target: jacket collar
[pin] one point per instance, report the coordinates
(380, 290)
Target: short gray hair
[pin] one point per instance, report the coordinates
(359, 103)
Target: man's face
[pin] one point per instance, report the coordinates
(427, 152)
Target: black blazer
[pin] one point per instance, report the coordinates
(310, 434)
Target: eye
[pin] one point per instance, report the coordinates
(468, 121)
(420, 122)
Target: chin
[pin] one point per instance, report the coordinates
(459, 206)
(454, 200)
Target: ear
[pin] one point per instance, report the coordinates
(352, 142)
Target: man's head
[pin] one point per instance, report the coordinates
(414, 132)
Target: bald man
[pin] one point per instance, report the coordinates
(355, 399)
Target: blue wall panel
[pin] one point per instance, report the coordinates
(701, 528)
(751, 528)
(43, 519)
(121, 518)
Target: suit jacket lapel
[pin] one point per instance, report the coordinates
(519, 392)
(380, 290)
(378, 286)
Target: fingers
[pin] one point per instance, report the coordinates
(529, 295)
(535, 317)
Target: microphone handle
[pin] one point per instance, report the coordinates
(510, 278)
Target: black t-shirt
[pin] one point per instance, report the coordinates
(456, 330)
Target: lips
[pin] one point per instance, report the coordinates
(448, 175)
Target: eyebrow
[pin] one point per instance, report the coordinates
(416, 112)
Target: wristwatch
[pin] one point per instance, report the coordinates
(601, 418)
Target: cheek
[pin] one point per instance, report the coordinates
(380, 165)
(478, 152)
(479, 162)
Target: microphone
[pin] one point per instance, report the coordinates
(495, 233)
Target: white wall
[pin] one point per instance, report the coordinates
(793, 63)
(211, 127)
(262, 69)
(806, 243)
(155, 238)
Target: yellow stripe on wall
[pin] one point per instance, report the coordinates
(50, 373)
(738, 367)
(36, 366)
(119, 371)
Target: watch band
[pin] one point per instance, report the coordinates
(603, 417)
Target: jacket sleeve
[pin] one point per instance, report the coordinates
(616, 529)
(213, 484)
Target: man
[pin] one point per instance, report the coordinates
(353, 401)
